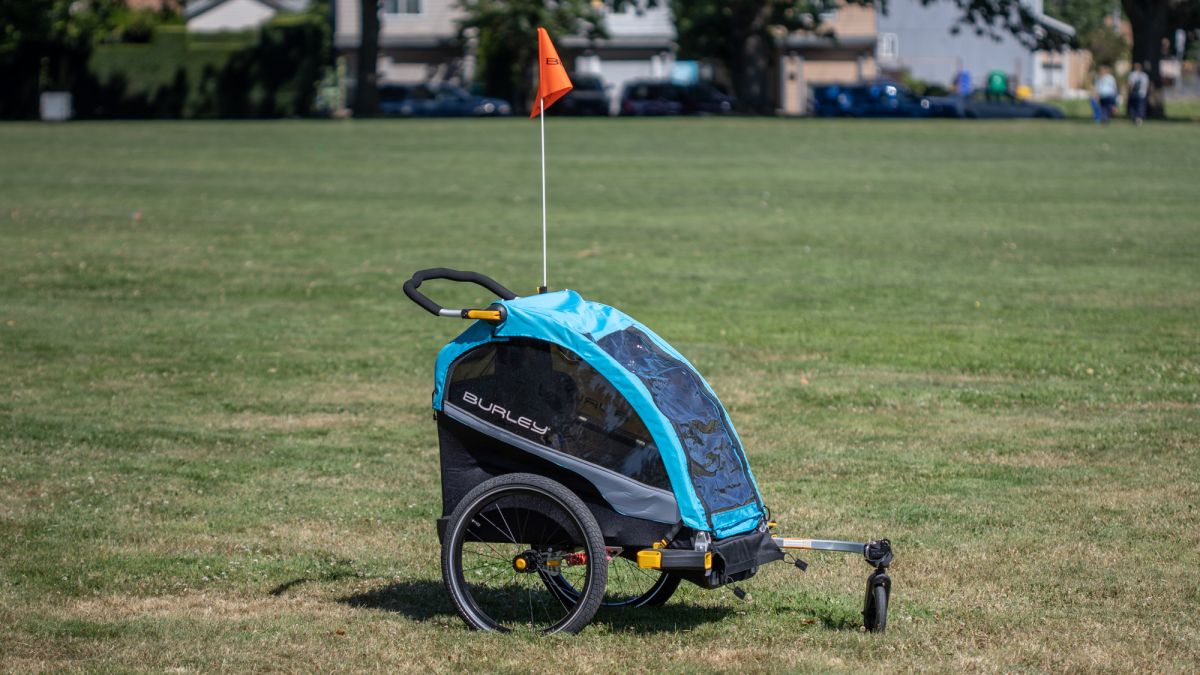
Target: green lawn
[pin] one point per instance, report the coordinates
(1178, 110)
(981, 340)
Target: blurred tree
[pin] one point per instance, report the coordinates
(1107, 46)
(45, 44)
(1085, 15)
(741, 35)
(1154, 23)
(366, 96)
(506, 51)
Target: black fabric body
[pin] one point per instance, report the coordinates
(469, 457)
(715, 459)
(548, 395)
(736, 558)
(554, 526)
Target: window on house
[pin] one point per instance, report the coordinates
(401, 6)
(888, 47)
(828, 11)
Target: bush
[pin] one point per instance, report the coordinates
(921, 87)
(271, 72)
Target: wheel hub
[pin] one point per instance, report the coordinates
(526, 562)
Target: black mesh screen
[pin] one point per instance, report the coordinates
(548, 395)
(714, 457)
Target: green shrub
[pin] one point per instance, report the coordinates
(271, 72)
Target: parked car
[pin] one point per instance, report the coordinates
(651, 97)
(979, 105)
(589, 96)
(663, 97)
(441, 100)
(872, 99)
(706, 98)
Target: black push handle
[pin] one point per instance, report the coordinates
(494, 313)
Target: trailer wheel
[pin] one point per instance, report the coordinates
(876, 610)
(504, 544)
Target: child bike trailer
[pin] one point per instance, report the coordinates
(586, 463)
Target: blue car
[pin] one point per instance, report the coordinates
(444, 100)
(874, 99)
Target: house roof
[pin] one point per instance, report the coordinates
(197, 7)
(1055, 25)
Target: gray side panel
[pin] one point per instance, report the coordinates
(627, 496)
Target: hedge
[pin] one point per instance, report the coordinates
(270, 72)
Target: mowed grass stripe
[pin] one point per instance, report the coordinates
(977, 339)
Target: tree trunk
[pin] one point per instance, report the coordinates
(366, 94)
(752, 65)
(1149, 19)
(751, 72)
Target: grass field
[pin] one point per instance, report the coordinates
(1178, 110)
(981, 340)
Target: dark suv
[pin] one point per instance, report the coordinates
(589, 96)
(662, 97)
(651, 97)
(706, 98)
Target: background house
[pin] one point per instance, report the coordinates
(641, 44)
(219, 16)
(844, 51)
(921, 40)
(418, 41)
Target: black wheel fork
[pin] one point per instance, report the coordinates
(878, 554)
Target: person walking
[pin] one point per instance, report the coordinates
(1139, 88)
(962, 82)
(1106, 93)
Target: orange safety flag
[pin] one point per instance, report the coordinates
(553, 82)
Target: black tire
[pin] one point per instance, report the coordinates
(544, 524)
(876, 611)
(630, 586)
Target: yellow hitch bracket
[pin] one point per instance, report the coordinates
(553, 563)
(650, 559)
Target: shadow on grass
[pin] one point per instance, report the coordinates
(826, 616)
(669, 618)
(426, 600)
(418, 600)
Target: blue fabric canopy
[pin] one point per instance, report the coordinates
(700, 449)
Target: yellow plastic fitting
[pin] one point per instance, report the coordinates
(484, 314)
(650, 559)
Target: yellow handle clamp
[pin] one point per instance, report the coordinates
(484, 314)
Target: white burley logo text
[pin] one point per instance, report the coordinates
(504, 414)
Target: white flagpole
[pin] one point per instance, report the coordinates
(542, 103)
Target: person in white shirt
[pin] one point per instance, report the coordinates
(1139, 88)
(1106, 92)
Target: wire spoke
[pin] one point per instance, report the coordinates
(489, 520)
(505, 521)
